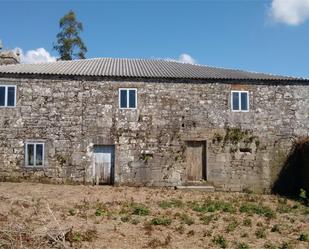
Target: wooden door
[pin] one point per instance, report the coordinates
(196, 161)
(103, 167)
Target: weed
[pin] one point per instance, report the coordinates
(125, 218)
(303, 237)
(220, 241)
(135, 221)
(172, 203)
(247, 222)
(72, 211)
(269, 245)
(275, 228)
(251, 208)
(191, 233)
(161, 221)
(100, 212)
(180, 229)
(260, 233)
(186, 219)
(231, 226)
(285, 245)
(207, 219)
(78, 236)
(242, 246)
(140, 209)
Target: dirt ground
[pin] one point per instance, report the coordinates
(63, 216)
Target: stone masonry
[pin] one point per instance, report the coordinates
(245, 151)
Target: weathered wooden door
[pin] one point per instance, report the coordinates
(196, 161)
(103, 167)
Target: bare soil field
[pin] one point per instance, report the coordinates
(63, 216)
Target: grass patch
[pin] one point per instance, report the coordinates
(172, 203)
(140, 209)
(260, 233)
(242, 246)
(213, 206)
(206, 219)
(186, 219)
(232, 226)
(247, 222)
(251, 208)
(163, 221)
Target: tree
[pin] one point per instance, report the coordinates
(69, 44)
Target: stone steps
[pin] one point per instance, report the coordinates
(205, 188)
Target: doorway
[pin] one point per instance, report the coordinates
(196, 155)
(103, 164)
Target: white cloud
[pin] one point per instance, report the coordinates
(291, 12)
(39, 55)
(183, 58)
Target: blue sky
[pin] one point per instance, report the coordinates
(255, 35)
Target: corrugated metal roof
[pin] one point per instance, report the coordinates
(140, 68)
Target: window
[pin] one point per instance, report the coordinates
(240, 101)
(34, 154)
(127, 98)
(7, 96)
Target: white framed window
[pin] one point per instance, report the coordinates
(240, 101)
(34, 154)
(7, 96)
(127, 98)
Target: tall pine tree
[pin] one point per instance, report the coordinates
(69, 44)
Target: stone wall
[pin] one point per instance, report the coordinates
(244, 150)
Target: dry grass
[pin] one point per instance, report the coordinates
(58, 216)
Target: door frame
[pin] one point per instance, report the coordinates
(112, 171)
(205, 159)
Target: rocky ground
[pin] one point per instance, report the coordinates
(62, 216)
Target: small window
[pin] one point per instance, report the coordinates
(240, 101)
(34, 154)
(127, 98)
(7, 96)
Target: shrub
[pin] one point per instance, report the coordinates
(140, 209)
(251, 208)
(303, 237)
(161, 221)
(220, 241)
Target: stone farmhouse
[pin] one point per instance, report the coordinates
(148, 122)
